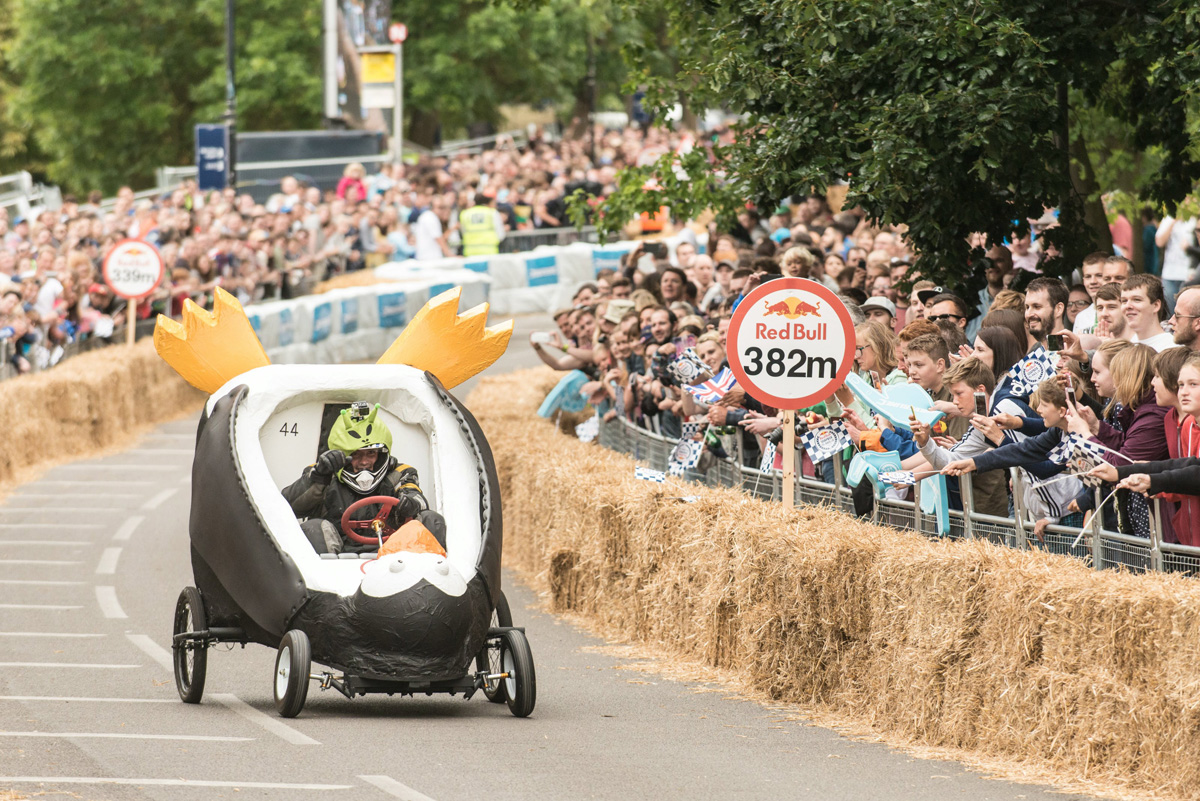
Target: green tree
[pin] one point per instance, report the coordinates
(947, 117)
(110, 91)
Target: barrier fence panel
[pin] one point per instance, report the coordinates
(1092, 544)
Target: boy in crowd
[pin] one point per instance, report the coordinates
(1110, 317)
(965, 381)
(1144, 308)
(1048, 503)
(1093, 279)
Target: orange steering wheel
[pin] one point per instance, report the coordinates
(377, 526)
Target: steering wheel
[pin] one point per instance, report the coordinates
(377, 526)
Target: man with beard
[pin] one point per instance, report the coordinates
(1045, 308)
(1187, 313)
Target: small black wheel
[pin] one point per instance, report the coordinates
(292, 665)
(489, 657)
(190, 657)
(521, 685)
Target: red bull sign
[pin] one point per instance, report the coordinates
(791, 343)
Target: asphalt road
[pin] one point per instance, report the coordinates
(92, 559)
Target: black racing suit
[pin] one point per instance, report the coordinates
(323, 500)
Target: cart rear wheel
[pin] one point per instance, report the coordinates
(292, 665)
(489, 657)
(190, 657)
(521, 685)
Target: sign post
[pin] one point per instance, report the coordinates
(397, 33)
(212, 157)
(791, 344)
(132, 270)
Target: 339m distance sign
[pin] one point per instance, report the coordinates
(791, 343)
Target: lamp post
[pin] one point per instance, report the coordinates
(230, 95)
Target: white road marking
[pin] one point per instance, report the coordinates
(87, 699)
(55, 634)
(395, 788)
(273, 725)
(33, 582)
(153, 650)
(92, 483)
(51, 509)
(56, 526)
(107, 598)
(158, 499)
(164, 451)
(126, 736)
(168, 782)
(108, 562)
(74, 495)
(127, 528)
(47, 543)
(88, 665)
(105, 466)
(36, 562)
(48, 607)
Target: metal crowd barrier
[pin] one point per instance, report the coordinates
(521, 241)
(1097, 546)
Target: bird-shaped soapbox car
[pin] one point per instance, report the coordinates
(407, 617)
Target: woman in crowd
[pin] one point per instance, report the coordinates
(875, 353)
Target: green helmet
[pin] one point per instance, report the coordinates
(357, 429)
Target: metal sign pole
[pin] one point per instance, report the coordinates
(398, 108)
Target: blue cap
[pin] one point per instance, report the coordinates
(780, 235)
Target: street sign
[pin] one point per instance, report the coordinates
(212, 157)
(133, 268)
(397, 32)
(791, 343)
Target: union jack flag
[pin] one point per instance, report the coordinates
(713, 389)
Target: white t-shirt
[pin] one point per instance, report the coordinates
(1085, 321)
(1175, 260)
(1159, 342)
(47, 296)
(426, 232)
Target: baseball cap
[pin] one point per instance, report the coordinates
(97, 287)
(926, 295)
(617, 309)
(879, 303)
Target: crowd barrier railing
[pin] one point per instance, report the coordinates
(1101, 548)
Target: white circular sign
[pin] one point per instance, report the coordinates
(133, 268)
(397, 32)
(791, 343)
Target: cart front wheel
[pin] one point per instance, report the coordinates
(292, 665)
(489, 657)
(521, 685)
(190, 656)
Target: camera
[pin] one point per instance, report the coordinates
(656, 249)
(1054, 342)
(981, 404)
(1071, 391)
(540, 337)
(359, 410)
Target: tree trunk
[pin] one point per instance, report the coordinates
(423, 128)
(1083, 177)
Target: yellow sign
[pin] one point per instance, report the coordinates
(379, 67)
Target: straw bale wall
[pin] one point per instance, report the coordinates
(1021, 658)
(87, 404)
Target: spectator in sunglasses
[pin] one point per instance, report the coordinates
(947, 306)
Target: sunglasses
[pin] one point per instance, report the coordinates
(936, 317)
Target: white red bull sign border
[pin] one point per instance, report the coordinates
(791, 343)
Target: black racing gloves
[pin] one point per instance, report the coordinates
(327, 465)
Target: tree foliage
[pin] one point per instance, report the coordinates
(948, 117)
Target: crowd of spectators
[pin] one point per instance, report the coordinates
(1112, 359)
(52, 292)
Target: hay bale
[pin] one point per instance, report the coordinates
(1024, 657)
(89, 403)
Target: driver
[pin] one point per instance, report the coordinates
(357, 465)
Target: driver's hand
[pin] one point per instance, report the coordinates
(330, 462)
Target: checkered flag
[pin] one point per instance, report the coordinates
(692, 430)
(823, 442)
(768, 459)
(688, 367)
(685, 456)
(1025, 375)
(646, 474)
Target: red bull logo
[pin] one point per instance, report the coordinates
(791, 308)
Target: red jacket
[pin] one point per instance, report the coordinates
(1183, 440)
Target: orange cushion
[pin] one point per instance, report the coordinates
(412, 537)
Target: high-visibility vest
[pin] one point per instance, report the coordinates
(478, 228)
